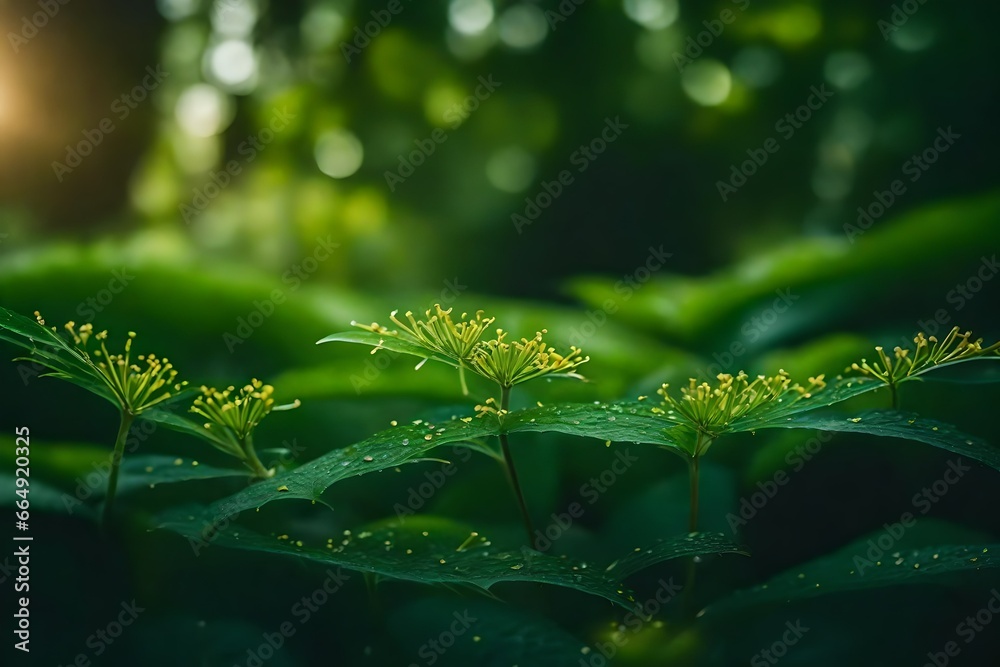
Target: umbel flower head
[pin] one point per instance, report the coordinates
(233, 415)
(439, 333)
(136, 384)
(929, 352)
(712, 408)
(510, 363)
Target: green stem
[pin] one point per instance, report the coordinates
(461, 379)
(116, 460)
(688, 599)
(895, 395)
(252, 460)
(693, 477)
(512, 471)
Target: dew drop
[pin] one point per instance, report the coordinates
(369, 459)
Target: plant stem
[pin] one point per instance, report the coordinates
(895, 395)
(693, 477)
(252, 459)
(461, 379)
(512, 471)
(688, 597)
(116, 460)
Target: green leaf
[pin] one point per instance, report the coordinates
(618, 422)
(838, 391)
(50, 350)
(425, 549)
(437, 550)
(141, 471)
(386, 342)
(850, 570)
(692, 544)
(892, 424)
(386, 449)
(409, 443)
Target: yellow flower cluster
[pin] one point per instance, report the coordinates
(505, 362)
(930, 352)
(138, 384)
(713, 407)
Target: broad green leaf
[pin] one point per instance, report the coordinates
(437, 550)
(142, 471)
(408, 443)
(618, 422)
(837, 391)
(51, 354)
(892, 424)
(425, 549)
(386, 449)
(692, 544)
(850, 569)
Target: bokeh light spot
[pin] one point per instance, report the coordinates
(232, 63)
(470, 17)
(523, 27)
(511, 169)
(203, 110)
(339, 153)
(707, 82)
(652, 14)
